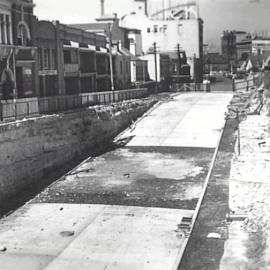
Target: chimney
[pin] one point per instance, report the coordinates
(102, 8)
(146, 8)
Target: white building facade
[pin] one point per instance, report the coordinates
(171, 26)
(260, 45)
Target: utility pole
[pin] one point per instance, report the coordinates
(111, 60)
(238, 132)
(155, 57)
(179, 59)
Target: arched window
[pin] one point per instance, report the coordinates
(23, 33)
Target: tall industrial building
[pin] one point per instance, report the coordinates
(170, 23)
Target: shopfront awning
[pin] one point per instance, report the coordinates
(71, 44)
(92, 47)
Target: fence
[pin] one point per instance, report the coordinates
(178, 87)
(244, 84)
(27, 107)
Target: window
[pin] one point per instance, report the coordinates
(155, 28)
(180, 29)
(5, 29)
(23, 33)
(8, 29)
(121, 67)
(70, 57)
(165, 27)
(40, 60)
(46, 59)
(67, 57)
(2, 22)
(53, 57)
(148, 30)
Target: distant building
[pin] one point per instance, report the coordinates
(70, 61)
(168, 27)
(228, 46)
(260, 45)
(107, 25)
(236, 47)
(129, 44)
(243, 46)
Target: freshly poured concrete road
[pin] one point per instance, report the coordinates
(190, 120)
(126, 209)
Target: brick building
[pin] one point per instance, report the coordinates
(70, 60)
(17, 52)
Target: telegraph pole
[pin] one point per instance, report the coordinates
(155, 57)
(111, 60)
(179, 59)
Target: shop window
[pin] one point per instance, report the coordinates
(71, 85)
(25, 82)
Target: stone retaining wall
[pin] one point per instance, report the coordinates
(32, 148)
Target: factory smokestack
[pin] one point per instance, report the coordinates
(102, 8)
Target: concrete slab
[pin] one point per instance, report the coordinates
(199, 117)
(143, 176)
(203, 138)
(42, 236)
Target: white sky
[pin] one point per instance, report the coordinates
(218, 15)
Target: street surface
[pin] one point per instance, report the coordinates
(222, 86)
(130, 208)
